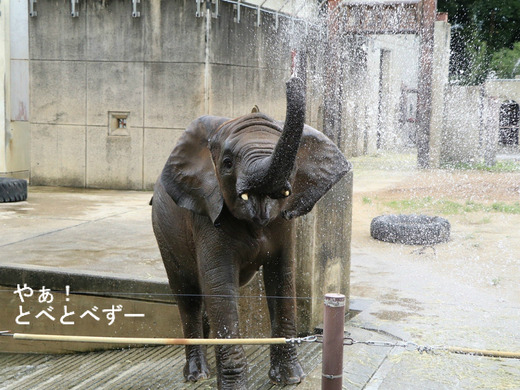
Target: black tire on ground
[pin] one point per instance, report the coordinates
(12, 190)
(410, 229)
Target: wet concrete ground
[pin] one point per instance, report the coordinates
(92, 231)
(109, 233)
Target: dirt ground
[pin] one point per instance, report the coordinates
(483, 209)
(464, 293)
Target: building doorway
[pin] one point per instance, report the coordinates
(509, 124)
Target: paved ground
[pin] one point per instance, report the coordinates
(402, 294)
(92, 231)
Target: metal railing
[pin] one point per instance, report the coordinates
(260, 8)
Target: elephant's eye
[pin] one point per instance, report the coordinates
(227, 163)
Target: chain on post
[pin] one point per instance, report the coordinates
(349, 341)
(408, 345)
(300, 340)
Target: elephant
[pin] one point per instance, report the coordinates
(224, 206)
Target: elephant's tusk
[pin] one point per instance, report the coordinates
(287, 193)
(244, 196)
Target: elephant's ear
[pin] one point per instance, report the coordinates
(189, 174)
(320, 165)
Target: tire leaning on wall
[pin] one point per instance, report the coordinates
(412, 229)
(12, 190)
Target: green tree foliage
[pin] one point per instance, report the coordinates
(484, 33)
(506, 62)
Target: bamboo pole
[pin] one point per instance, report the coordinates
(148, 341)
(248, 341)
(484, 352)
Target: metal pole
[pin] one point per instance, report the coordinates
(333, 334)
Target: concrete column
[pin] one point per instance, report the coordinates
(489, 128)
(323, 240)
(322, 249)
(333, 93)
(440, 73)
(4, 75)
(14, 66)
(424, 96)
(461, 135)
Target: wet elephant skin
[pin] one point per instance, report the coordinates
(224, 206)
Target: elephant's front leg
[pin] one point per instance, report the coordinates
(190, 308)
(279, 284)
(220, 285)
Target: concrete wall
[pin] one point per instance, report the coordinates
(4, 67)
(402, 75)
(471, 121)
(168, 66)
(440, 75)
(470, 133)
(161, 70)
(460, 141)
(379, 71)
(504, 90)
(323, 249)
(14, 90)
(323, 240)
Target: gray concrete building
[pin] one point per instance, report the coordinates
(98, 92)
(389, 94)
(111, 93)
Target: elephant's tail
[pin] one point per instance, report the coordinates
(151, 201)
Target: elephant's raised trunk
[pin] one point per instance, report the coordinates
(282, 160)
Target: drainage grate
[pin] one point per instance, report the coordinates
(135, 368)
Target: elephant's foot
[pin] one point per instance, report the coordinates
(232, 382)
(285, 367)
(196, 367)
(286, 373)
(232, 368)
